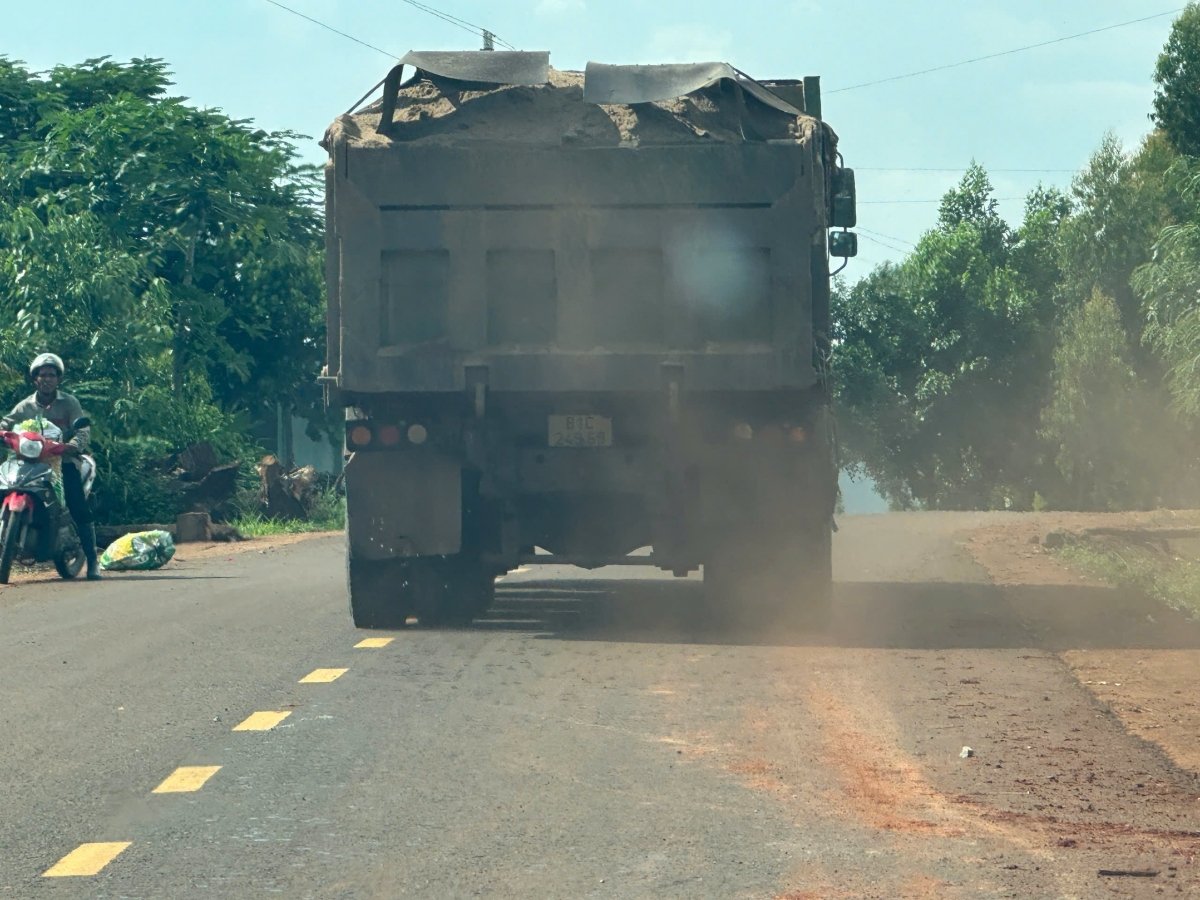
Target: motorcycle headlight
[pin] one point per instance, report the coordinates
(30, 449)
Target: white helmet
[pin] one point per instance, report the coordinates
(47, 359)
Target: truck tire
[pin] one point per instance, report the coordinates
(453, 590)
(10, 536)
(378, 593)
(769, 585)
(814, 607)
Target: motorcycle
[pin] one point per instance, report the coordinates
(35, 524)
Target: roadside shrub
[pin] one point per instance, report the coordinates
(130, 488)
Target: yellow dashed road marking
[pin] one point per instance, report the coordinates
(322, 676)
(185, 779)
(374, 642)
(86, 859)
(262, 721)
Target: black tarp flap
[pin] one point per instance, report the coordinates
(489, 66)
(646, 84)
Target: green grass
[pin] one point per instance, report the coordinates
(328, 514)
(1170, 580)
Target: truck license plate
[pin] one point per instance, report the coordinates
(580, 431)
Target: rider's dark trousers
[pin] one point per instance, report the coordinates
(73, 494)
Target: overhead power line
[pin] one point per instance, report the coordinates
(866, 259)
(938, 200)
(349, 37)
(444, 16)
(950, 169)
(461, 23)
(967, 62)
(882, 243)
(887, 236)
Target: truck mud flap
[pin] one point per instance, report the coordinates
(402, 505)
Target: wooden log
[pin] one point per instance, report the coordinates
(221, 532)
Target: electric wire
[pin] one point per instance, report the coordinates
(967, 62)
(881, 243)
(445, 17)
(939, 200)
(866, 259)
(886, 236)
(949, 169)
(331, 28)
(461, 23)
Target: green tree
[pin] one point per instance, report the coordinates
(1168, 286)
(940, 358)
(1089, 313)
(217, 211)
(1120, 207)
(171, 254)
(1112, 441)
(1177, 80)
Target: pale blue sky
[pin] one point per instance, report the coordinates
(1044, 109)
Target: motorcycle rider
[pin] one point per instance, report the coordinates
(48, 402)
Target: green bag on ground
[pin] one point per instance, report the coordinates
(141, 551)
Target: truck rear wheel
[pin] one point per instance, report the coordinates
(773, 583)
(378, 593)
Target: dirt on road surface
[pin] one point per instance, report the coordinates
(590, 737)
(930, 656)
(1155, 692)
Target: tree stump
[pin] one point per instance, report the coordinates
(193, 528)
(277, 498)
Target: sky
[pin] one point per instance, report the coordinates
(1044, 109)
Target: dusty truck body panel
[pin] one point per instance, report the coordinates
(470, 250)
(578, 327)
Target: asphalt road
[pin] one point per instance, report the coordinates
(585, 740)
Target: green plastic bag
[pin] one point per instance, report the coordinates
(141, 551)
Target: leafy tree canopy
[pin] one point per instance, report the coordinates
(1088, 312)
(172, 255)
(940, 357)
(1177, 76)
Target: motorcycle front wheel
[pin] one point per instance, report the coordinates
(10, 538)
(69, 562)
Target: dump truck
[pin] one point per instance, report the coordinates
(574, 315)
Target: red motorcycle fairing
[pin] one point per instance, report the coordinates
(50, 447)
(16, 502)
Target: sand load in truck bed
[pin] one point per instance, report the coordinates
(434, 110)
